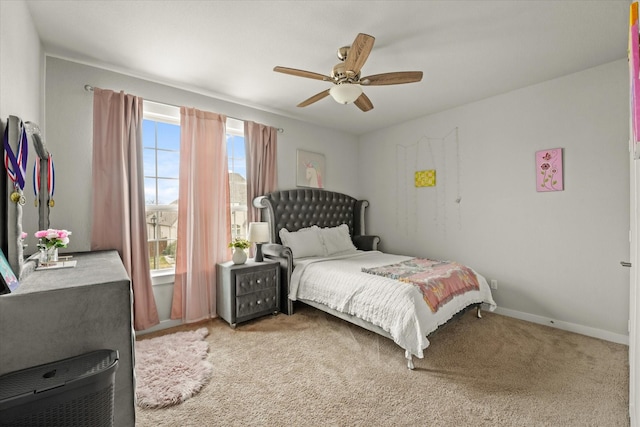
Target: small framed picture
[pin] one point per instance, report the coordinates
(549, 172)
(310, 169)
(8, 280)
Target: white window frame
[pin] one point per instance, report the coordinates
(171, 114)
(168, 114)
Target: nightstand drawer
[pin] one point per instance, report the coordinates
(255, 281)
(257, 302)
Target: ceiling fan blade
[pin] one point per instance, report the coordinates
(396, 78)
(302, 73)
(364, 103)
(314, 98)
(359, 52)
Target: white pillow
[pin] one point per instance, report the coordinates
(337, 239)
(304, 242)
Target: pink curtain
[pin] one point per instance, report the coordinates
(118, 194)
(204, 220)
(262, 176)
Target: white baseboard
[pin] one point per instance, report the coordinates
(565, 326)
(164, 324)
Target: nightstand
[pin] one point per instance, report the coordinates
(246, 291)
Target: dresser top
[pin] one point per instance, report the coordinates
(92, 268)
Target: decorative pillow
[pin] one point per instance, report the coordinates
(337, 239)
(304, 242)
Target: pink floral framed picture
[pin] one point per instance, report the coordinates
(549, 174)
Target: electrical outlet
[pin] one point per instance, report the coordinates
(494, 284)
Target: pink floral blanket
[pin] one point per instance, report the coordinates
(439, 281)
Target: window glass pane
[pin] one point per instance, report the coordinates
(161, 163)
(168, 136)
(153, 259)
(168, 164)
(149, 161)
(161, 234)
(150, 191)
(237, 185)
(236, 155)
(167, 191)
(148, 134)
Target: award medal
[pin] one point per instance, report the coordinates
(15, 163)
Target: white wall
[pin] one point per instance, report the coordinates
(69, 138)
(20, 63)
(21, 75)
(555, 255)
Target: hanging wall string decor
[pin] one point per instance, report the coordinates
(415, 198)
(406, 208)
(401, 192)
(458, 193)
(16, 162)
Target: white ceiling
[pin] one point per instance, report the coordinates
(468, 50)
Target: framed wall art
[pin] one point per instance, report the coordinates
(549, 173)
(426, 178)
(310, 169)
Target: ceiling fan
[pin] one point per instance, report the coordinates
(346, 76)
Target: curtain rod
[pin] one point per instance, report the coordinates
(89, 88)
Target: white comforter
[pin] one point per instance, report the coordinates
(396, 307)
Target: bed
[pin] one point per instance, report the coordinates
(327, 261)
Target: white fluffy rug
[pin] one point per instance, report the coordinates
(171, 368)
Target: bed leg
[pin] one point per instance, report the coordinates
(479, 312)
(409, 358)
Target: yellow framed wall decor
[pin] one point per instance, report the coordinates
(426, 178)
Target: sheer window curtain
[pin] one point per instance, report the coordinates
(262, 176)
(204, 217)
(118, 218)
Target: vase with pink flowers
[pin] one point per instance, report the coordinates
(49, 241)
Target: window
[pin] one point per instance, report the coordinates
(161, 155)
(237, 178)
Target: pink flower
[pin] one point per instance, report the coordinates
(23, 235)
(53, 238)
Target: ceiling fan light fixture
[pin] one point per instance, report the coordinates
(345, 93)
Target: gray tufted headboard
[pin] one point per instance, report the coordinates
(301, 208)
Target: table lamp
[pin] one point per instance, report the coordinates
(258, 234)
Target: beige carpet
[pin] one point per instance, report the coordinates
(311, 369)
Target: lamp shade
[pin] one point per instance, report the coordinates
(345, 93)
(258, 232)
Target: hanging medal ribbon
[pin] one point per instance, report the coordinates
(15, 163)
(36, 179)
(51, 180)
